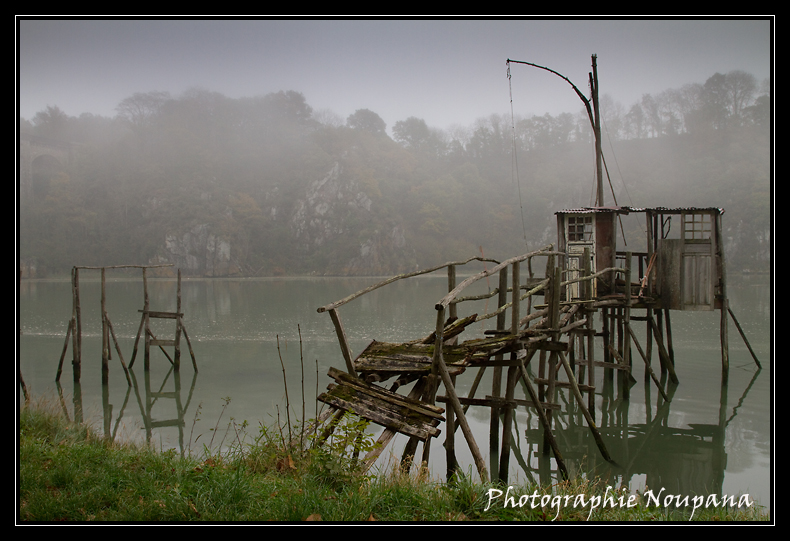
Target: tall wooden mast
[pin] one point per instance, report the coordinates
(597, 130)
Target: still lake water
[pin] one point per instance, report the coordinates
(708, 440)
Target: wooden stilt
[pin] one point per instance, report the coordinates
(648, 369)
(662, 352)
(118, 349)
(542, 416)
(177, 354)
(507, 422)
(670, 346)
(105, 334)
(725, 303)
(449, 441)
(69, 331)
(76, 347)
(590, 422)
(344, 346)
(146, 325)
(441, 368)
(740, 330)
(496, 385)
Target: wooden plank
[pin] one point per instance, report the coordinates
(400, 412)
(373, 390)
(564, 384)
(601, 364)
(451, 330)
(162, 315)
(499, 402)
(378, 411)
(413, 356)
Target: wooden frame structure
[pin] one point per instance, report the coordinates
(440, 358)
(74, 329)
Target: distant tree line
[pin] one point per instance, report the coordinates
(246, 168)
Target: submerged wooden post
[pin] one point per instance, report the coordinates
(76, 332)
(725, 305)
(626, 335)
(105, 334)
(177, 354)
(743, 335)
(146, 325)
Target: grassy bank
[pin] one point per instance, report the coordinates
(68, 473)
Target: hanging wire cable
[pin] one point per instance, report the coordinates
(622, 179)
(514, 161)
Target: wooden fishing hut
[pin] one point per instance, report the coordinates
(683, 268)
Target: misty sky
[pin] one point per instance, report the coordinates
(447, 72)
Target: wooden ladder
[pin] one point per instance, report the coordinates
(149, 339)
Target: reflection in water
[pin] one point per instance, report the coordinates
(178, 408)
(703, 441)
(682, 460)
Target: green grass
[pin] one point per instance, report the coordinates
(67, 473)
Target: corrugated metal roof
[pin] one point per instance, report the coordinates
(626, 210)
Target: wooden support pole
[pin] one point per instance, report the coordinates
(725, 348)
(648, 369)
(76, 333)
(344, 346)
(137, 340)
(177, 354)
(189, 345)
(740, 330)
(449, 441)
(105, 334)
(440, 368)
(450, 287)
(649, 340)
(590, 422)
(69, 332)
(496, 386)
(626, 335)
(662, 352)
(146, 325)
(507, 421)
(668, 327)
(542, 416)
(725, 303)
(515, 297)
(118, 349)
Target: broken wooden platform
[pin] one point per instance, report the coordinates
(400, 413)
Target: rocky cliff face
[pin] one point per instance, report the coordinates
(200, 252)
(338, 220)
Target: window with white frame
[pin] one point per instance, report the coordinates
(580, 228)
